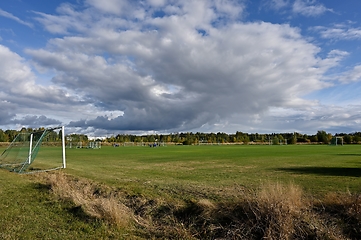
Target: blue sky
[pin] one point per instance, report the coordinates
(108, 67)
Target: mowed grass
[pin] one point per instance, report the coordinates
(318, 169)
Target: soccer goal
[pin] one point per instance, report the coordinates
(46, 146)
(94, 145)
(337, 141)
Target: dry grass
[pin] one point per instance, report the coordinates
(279, 207)
(343, 209)
(90, 198)
(350, 203)
(275, 211)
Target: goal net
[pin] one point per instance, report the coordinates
(337, 141)
(19, 156)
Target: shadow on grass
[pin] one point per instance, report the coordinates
(349, 154)
(325, 171)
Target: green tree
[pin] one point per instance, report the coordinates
(245, 139)
(323, 137)
(314, 138)
(347, 139)
(275, 141)
(356, 138)
(281, 140)
(3, 137)
(151, 138)
(52, 136)
(292, 140)
(11, 134)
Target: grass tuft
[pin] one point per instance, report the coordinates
(277, 208)
(343, 209)
(85, 194)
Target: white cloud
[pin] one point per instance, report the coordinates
(309, 8)
(352, 75)
(339, 32)
(67, 21)
(334, 57)
(109, 6)
(12, 68)
(276, 4)
(11, 16)
(232, 9)
(157, 3)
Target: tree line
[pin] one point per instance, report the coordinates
(190, 138)
(52, 136)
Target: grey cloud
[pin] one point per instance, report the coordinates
(10, 114)
(20, 95)
(36, 121)
(156, 118)
(6, 112)
(329, 118)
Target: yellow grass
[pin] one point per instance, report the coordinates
(85, 195)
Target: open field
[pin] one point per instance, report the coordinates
(181, 178)
(316, 168)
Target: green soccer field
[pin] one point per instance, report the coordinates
(316, 168)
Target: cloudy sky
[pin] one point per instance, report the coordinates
(116, 66)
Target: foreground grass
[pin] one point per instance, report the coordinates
(28, 211)
(87, 209)
(203, 192)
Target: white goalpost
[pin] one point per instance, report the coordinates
(336, 140)
(63, 145)
(19, 156)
